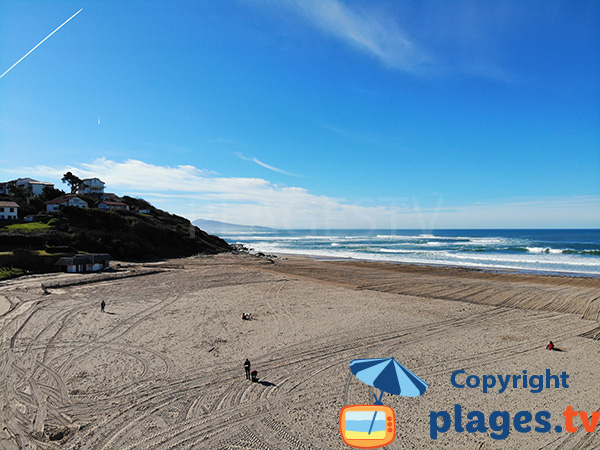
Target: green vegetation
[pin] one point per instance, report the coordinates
(28, 203)
(26, 227)
(73, 181)
(126, 235)
(6, 273)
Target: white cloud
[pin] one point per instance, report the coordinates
(265, 165)
(365, 30)
(449, 38)
(197, 193)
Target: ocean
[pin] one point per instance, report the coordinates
(574, 252)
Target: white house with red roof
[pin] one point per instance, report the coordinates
(65, 200)
(113, 206)
(9, 210)
(110, 197)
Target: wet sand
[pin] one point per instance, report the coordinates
(163, 367)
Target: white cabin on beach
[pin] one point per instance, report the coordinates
(92, 262)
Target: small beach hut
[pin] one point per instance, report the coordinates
(92, 262)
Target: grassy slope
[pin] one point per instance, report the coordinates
(6, 273)
(26, 227)
(123, 234)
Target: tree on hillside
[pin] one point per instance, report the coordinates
(18, 194)
(72, 180)
(50, 193)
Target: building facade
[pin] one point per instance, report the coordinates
(9, 210)
(34, 186)
(113, 206)
(92, 262)
(91, 186)
(65, 200)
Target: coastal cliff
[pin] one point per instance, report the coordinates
(126, 235)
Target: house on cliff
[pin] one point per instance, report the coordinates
(34, 186)
(65, 200)
(9, 210)
(113, 206)
(91, 186)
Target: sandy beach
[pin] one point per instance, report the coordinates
(4, 305)
(162, 368)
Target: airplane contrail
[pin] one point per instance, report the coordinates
(27, 54)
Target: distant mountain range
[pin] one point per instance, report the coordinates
(214, 226)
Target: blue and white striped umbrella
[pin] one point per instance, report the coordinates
(389, 376)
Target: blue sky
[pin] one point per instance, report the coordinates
(314, 114)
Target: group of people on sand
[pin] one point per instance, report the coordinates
(250, 375)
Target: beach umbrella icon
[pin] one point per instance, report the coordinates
(389, 376)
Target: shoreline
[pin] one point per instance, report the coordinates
(461, 284)
(490, 269)
(567, 253)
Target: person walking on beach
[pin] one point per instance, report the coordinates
(102, 305)
(247, 367)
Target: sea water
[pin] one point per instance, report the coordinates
(575, 252)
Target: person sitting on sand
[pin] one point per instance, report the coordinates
(550, 346)
(254, 375)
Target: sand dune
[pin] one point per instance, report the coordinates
(162, 369)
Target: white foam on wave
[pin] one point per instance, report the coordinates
(487, 241)
(397, 250)
(270, 238)
(552, 263)
(433, 258)
(429, 249)
(537, 259)
(543, 250)
(396, 236)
